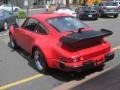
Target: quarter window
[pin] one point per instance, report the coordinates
(41, 29)
(30, 24)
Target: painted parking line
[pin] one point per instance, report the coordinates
(40, 75)
(21, 81)
(116, 48)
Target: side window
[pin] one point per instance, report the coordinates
(41, 29)
(30, 24)
(6, 13)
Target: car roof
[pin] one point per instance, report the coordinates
(45, 16)
(62, 8)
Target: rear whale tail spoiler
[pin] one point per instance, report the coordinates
(106, 32)
(85, 35)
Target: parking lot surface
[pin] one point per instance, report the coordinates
(17, 71)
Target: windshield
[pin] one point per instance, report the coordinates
(64, 24)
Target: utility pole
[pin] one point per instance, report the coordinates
(67, 3)
(27, 7)
(11, 6)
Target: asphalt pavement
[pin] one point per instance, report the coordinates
(109, 80)
(17, 71)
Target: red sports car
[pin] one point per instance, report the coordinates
(61, 41)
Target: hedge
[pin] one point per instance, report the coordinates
(22, 14)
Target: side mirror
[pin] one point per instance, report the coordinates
(15, 26)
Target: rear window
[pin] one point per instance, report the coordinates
(67, 23)
(110, 4)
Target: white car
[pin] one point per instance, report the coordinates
(118, 4)
(66, 10)
(8, 7)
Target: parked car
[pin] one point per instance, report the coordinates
(7, 18)
(8, 7)
(87, 13)
(118, 4)
(61, 41)
(108, 8)
(66, 10)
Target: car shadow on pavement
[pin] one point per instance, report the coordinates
(57, 74)
(69, 76)
(109, 80)
(110, 17)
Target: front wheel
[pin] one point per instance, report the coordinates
(40, 61)
(16, 9)
(12, 42)
(5, 26)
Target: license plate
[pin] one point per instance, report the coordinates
(111, 10)
(88, 65)
(90, 16)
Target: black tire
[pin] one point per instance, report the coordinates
(100, 67)
(12, 42)
(96, 18)
(16, 9)
(80, 17)
(5, 26)
(115, 16)
(40, 61)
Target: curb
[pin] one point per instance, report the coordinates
(74, 83)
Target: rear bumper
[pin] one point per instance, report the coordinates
(109, 56)
(86, 65)
(86, 16)
(111, 13)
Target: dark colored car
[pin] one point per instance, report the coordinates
(7, 18)
(87, 13)
(61, 41)
(108, 8)
(62, 7)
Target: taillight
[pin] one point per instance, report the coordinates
(71, 60)
(104, 8)
(118, 8)
(95, 12)
(81, 12)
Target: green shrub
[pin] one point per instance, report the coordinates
(21, 14)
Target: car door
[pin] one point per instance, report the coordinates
(25, 34)
(40, 35)
(9, 18)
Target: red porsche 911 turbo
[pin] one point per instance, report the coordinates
(60, 41)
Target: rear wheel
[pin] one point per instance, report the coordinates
(100, 67)
(40, 61)
(115, 16)
(95, 18)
